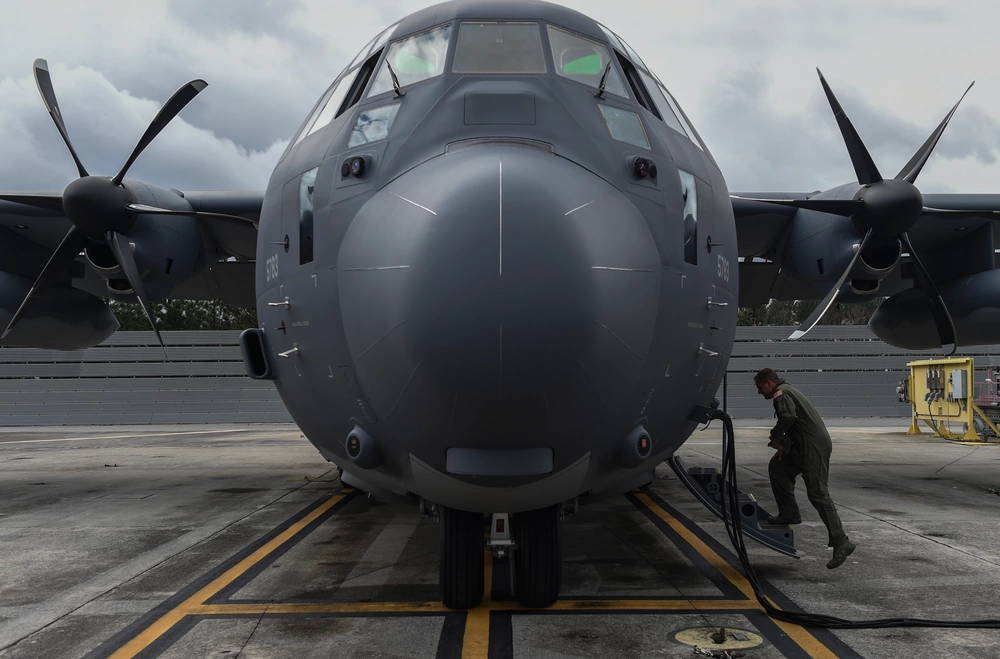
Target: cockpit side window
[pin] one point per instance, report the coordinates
(499, 48)
(382, 39)
(584, 61)
(413, 60)
(332, 101)
(634, 78)
(666, 112)
(650, 92)
(688, 128)
(363, 54)
(328, 105)
(344, 94)
(360, 82)
(620, 44)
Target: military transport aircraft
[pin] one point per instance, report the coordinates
(496, 268)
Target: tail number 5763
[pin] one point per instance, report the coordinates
(722, 268)
(271, 268)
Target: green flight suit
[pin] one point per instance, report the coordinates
(807, 448)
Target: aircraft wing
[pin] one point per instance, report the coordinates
(955, 237)
(38, 218)
(191, 245)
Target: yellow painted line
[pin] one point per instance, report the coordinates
(653, 605)
(797, 633)
(150, 434)
(348, 608)
(476, 640)
(195, 601)
(719, 563)
(318, 607)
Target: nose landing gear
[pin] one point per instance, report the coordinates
(537, 563)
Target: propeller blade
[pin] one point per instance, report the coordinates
(912, 169)
(49, 202)
(169, 110)
(942, 317)
(143, 209)
(126, 259)
(828, 301)
(845, 207)
(44, 82)
(864, 166)
(68, 248)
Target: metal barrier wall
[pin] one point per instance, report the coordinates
(125, 380)
(844, 369)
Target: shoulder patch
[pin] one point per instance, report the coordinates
(778, 394)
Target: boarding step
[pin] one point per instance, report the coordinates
(706, 485)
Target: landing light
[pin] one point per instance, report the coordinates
(644, 168)
(353, 167)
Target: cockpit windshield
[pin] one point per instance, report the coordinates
(499, 48)
(413, 59)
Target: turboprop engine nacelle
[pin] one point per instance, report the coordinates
(61, 318)
(905, 320)
(874, 264)
(820, 251)
(166, 252)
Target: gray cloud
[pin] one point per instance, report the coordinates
(762, 145)
(743, 72)
(182, 156)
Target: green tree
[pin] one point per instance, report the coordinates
(793, 312)
(185, 315)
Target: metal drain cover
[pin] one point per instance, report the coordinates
(708, 637)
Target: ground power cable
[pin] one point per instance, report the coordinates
(733, 520)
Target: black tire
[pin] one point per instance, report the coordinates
(462, 547)
(537, 562)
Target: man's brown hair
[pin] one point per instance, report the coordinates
(766, 375)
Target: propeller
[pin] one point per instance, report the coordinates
(882, 210)
(100, 208)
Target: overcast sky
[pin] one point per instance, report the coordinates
(744, 73)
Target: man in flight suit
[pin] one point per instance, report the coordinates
(802, 446)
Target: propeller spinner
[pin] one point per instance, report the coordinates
(100, 208)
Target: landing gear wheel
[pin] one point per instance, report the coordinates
(462, 547)
(537, 563)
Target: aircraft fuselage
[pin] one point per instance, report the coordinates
(499, 301)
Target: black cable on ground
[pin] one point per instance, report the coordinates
(734, 527)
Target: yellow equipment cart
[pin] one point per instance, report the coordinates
(941, 395)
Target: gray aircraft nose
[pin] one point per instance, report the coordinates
(484, 291)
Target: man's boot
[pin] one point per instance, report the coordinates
(840, 554)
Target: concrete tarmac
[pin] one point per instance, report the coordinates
(225, 541)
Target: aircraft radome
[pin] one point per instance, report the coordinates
(497, 269)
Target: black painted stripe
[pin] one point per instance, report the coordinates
(706, 569)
